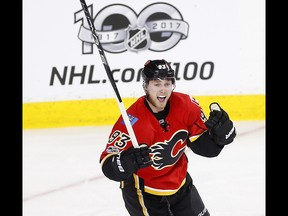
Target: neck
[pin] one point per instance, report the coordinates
(158, 112)
(154, 108)
(160, 115)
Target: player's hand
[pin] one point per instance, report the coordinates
(134, 159)
(220, 126)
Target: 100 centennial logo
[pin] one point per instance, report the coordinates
(158, 27)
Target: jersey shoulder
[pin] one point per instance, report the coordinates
(185, 99)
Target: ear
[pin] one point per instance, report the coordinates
(144, 85)
(174, 86)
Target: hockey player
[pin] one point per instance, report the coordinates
(154, 178)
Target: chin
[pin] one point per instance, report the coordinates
(161, 106)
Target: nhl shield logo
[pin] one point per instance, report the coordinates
(138, 38)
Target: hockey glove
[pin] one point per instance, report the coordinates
(132, 159)
(220, 126)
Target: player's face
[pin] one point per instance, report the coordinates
(158, 93)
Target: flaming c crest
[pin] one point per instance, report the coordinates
(167, 153)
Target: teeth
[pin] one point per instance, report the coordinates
(161, 98)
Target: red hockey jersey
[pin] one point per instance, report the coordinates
(168, 171)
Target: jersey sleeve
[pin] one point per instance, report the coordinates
(196, 119)
(200, 142)
(118, 140)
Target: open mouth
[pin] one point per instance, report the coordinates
(161, 98)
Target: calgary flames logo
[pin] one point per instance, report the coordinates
(166, 154)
